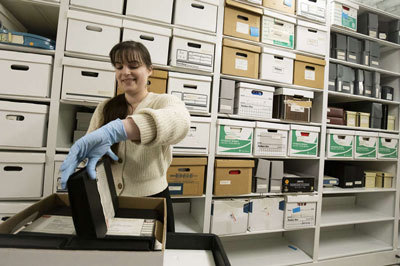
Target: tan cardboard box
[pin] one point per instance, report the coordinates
(64, 257)
(240, 59)
(185, 176)
(242, 21)
(280, 5)
(157, 82)
(232, 177)
(309, 72)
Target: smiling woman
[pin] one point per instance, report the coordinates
(136, 129)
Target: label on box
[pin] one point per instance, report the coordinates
(225, 107)
(296, 108)
(304, 143)
(351, 121)
(193, 59)
(365, 147)
(254, 103)
(277, 32)
(300, 214)
(241, 64)
(341, 55)
(242, 27)
(372, 33)
(340, 146)
(364, 121)
(313, 42)
(352, 57)
(288, 3)
(235, 140)
(254, 31)
(264, 186)
(375, 63)
(309, 74)
(387, 148)
(225, 182)
(382, 36)
(348, 20)
(278, 70)
(175, 188)
(331, 83)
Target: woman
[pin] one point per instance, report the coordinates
(138, 126)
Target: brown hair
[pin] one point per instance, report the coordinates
(123, 53)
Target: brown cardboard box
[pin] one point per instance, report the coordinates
(232, 177)
(157, 82)
(60, 256)
(185, 176)
(242, 21)
(240, 59)
(280, 5)
(309, 72)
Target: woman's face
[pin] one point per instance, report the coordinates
(132, 77)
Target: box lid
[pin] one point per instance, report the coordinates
(26, 57)
(341, 132)
(194, 35)
(134, 25)
(23, 107)
(94, 18)
(272, 126)
(245, 85)
(200, 119)
(351, 113)
(211, 2)
(76, 62)
(22, 157)
(301, 198)
(235, 123)
(294, 92)
(367, 134)
(364, 114)
(189, 76)
(347, 3)
(188, 161)
(161, 74)
(241, 45)
(244, 6)
(309, 59)
(276, 15)
(305, 128)
(388, 136)
(311, 25)
(267, 50)
(233, 163)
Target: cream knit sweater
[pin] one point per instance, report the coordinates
(141, 171)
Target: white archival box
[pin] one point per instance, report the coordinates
(197, 139)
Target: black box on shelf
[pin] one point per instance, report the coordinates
(394, 25)
(383, 30)
(345, 79)
(335, 112)
(368, 83)
(374, 54)
(366, 48)
(359, 82)
(376, 85)
(368, 24)
(394, 37)
(292, 183)
(387, 93)
(385, 113)
(374, 109)
(332, 76)
(352, 50)
(349, 175)
(339, 46)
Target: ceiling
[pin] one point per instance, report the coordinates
(392, 6)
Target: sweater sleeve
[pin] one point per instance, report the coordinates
(97, 118)
(165, 124)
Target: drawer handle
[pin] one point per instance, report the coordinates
(146, 38)
(241, 54)
(278, 23)
(193, 87)
(278, 57)
(20, 67)
(13, 168)
(273, 130)
(258, 93)
(15, 117)
(313, 31)
(234, 172)
(243, 18)
(94, 28)
(183, 169)
(194, 45)
(90, 74)
(198, 6)
(310, 68)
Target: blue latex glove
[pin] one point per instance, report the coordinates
(93, 146)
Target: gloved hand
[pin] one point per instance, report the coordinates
(93, 146)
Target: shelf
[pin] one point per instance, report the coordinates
(184, 222)
(260, 252)
(25, 99)
(339, 190)
(23, 149)
(264, 157)
(339, 97)
(80, 103)
(350, 214)
(18, 48)
(261, 44)
(265, 232)
(385, 45)
(340, 243)
(187, 197)
(66, 150)
(359, 66)
(272, 120)
(383, 15)
(363, 129)
(360, 160)
(253, 195)
(269, 83)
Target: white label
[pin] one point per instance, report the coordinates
(225, 107)
(304, 7)
(262, 186)
(372, 33)
(174, 188)
(331, 83)
(376, 63)
(346, 88)
(312, 42)
(349, 183)
(352, 57)
(332, 182)
(297, 108)
(242, 28)
(309, 74)
(357, 182)
(241, 64)
(225, 182)
(382, 36)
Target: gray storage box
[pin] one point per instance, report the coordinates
(359, 82)
(376, 85)
(352, 50)
(332, 76)
(374, 54)
(366, 48)
(368, 83)
(339, 46)
(387, 93)
(261, 176)
(368, 24)
(276, 176)
(226, 96)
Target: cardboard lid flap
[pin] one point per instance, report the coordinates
(244, 6)
(241, 45)
(188, 161)
(311, 60)
(234, 163)
(159, 74)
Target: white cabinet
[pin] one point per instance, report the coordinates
(150, 9)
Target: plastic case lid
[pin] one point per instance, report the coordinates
(311, 25)
(267, 50)
(138, 26)
(279, 16)
(265, 125)
(93, 18)
(194, 35)
(23, 107)
(235, 123)
(26, 57)
(76, 62)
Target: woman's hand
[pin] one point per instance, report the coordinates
(93, 146)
